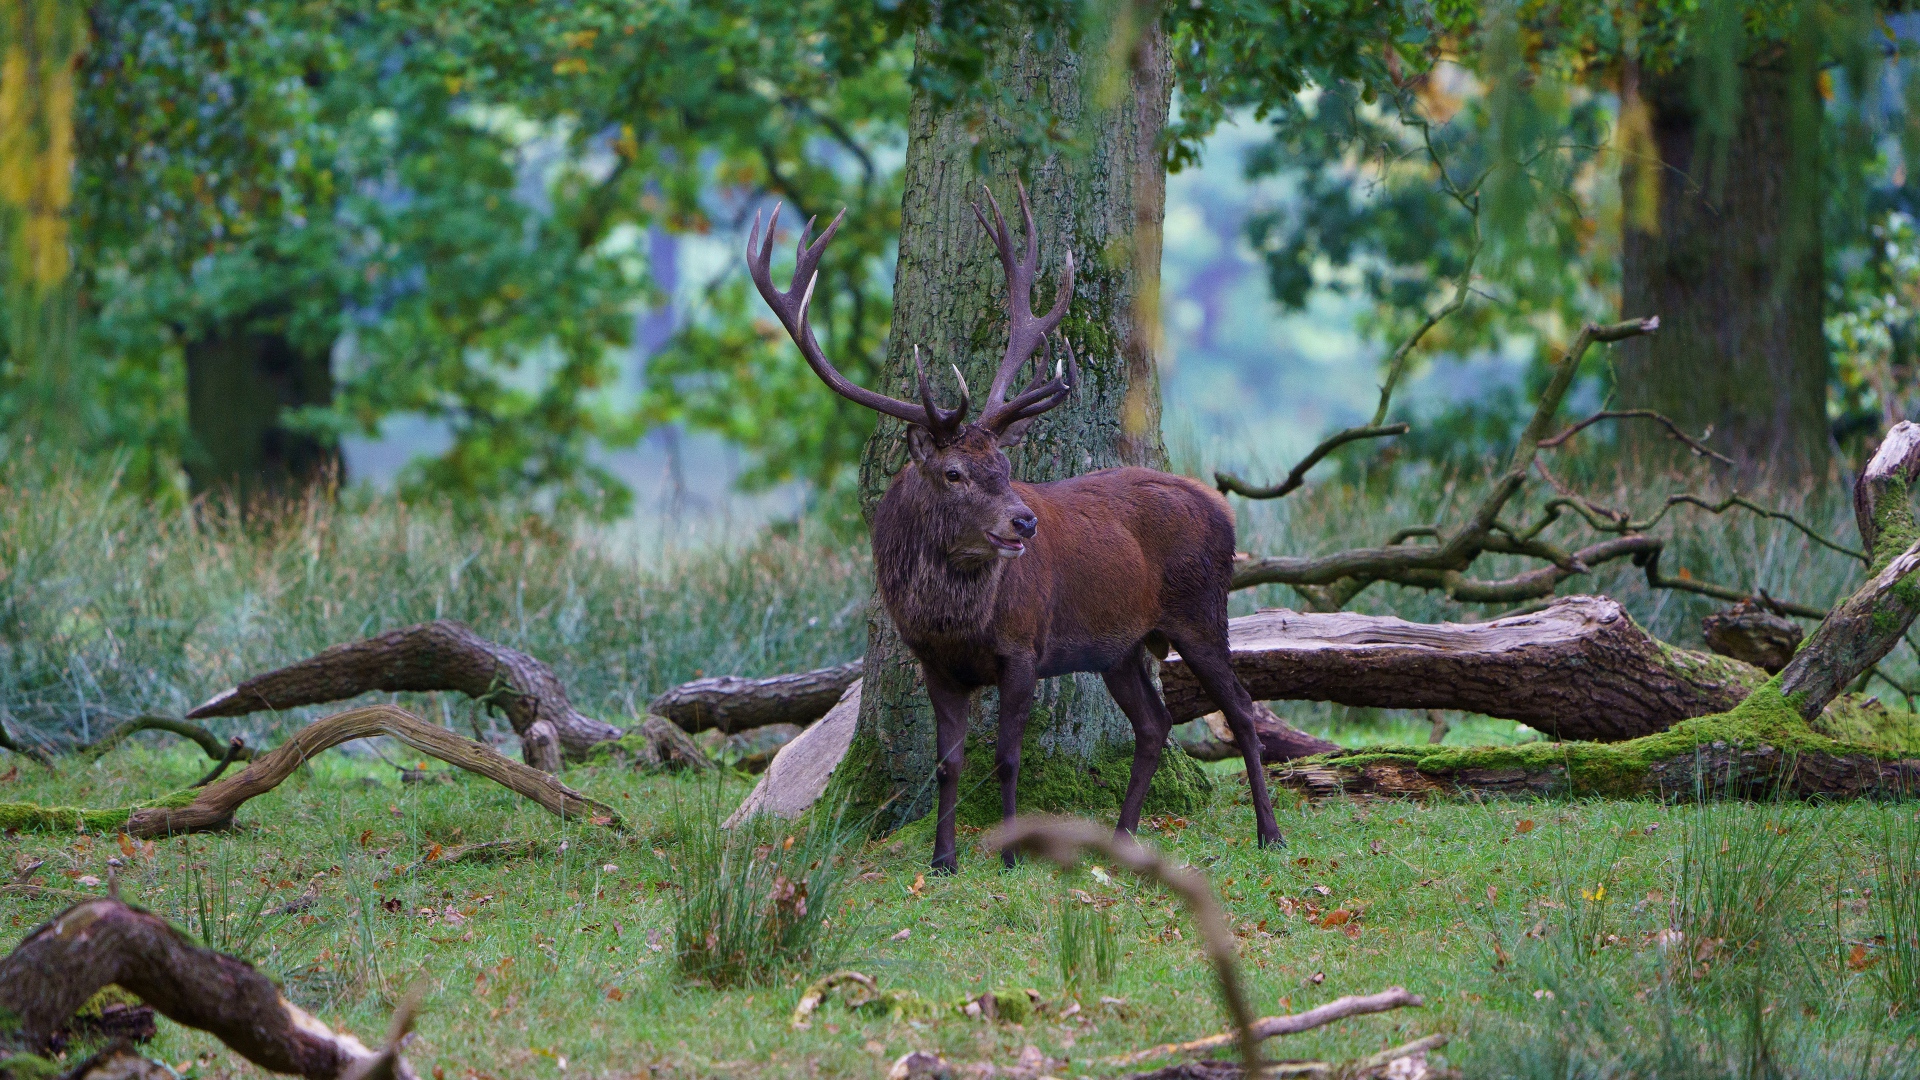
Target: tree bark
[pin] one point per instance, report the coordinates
(1735, 271)
(240, 380)
(213, 806)
(1106, 206)
(1577, 669)
(441, 655)
(731, 703)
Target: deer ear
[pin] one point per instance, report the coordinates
(1016, 431)
(919, 443)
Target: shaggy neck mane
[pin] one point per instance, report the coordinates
(928, 595)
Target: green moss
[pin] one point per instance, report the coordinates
(634, 744)
(28, 1067)
(1065, 784)
(1014, 1006)
(31, 817)
(1765, 718)
(860, 784)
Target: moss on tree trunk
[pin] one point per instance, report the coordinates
(949, 298)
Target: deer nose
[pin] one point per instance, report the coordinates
(1025, 524)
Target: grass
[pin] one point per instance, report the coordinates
(572, 953)
(110, 608)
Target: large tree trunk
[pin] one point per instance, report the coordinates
(1106, 207)
(1734, 270)
(240, 380)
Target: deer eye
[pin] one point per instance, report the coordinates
(953, 476)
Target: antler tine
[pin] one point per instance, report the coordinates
(791, 308)
(1025, 332)
(942, 422)
(1041, 396)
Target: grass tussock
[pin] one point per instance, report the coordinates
(759, 900)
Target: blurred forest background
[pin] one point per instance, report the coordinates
(479, 262)
(490, 252)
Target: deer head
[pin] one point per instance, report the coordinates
(962, 463)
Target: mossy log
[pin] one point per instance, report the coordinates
(213, 806)
(103, 942)
(440, 655)
(1794, 734)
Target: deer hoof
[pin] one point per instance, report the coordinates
(945, 865)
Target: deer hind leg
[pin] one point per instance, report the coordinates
(950, 742)
(1131, 685)
(1207, 657)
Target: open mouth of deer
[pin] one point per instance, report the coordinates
(1005, 547)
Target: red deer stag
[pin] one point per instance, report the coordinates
(994, 582)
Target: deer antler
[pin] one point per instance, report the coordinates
(791, 307)
(1025, 331)
(1041, 394)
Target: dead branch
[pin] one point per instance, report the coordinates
(1455, 552)
(731, 703)
(1270, 1026)
(8, 742)
(1699, 448)
(213, 745)
(1377, 428)
(1854, 638)
(235, 746)
(1330, 582)
(1279, 740)
(439, 655)
(1753, 635)
(103, 942)
(1578, 668)
(213, 806)
(1061, 842)
(1228, 483)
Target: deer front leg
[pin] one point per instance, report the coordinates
(950, 743)
(1016, 701)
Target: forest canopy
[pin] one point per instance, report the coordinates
(281, 223)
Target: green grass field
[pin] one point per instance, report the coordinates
(1541, 933)
(1533, 930)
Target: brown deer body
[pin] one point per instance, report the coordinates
(993, 582)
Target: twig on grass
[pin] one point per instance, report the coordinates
(1270, 1026)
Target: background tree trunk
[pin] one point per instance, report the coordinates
(949, 298)
(1734, 272)
(240, 380)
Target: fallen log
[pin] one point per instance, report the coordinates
(1794, 734)
(104, 942)
(731, 703)
(440, 655)
(213, 806)
(1576, 669)
(1750, 633)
